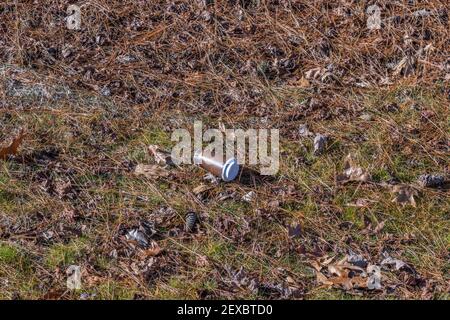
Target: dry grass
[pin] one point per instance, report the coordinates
(136, 71)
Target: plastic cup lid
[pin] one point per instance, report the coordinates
(230, 170)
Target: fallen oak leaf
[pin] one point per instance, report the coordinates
(404, 195)
(359, 282)
(347, 283)
(326, 260)
(352, 172)
(348, 276)
(12, 148)
(342, 281)
(316, 265)
(321, 262)
(336, 270)
(339, 269)
(321, 279)
(154, 250)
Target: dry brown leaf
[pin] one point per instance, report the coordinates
(340, 274)
(327, 260)
(353, 283)
(351, 267)
(321, 279)
(161, 157)
(359, 282)
(352, 172)
(404, 195)
(337, 270)
(347, 283)
(154, 250)
(12, 148)
(315, 73)
(150, 171)
(342, 281)
(316, 265)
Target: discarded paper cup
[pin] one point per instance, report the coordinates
(227, 170)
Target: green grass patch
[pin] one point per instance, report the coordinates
(9, 254)
(65, 254)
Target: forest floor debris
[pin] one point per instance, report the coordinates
(91, 184)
